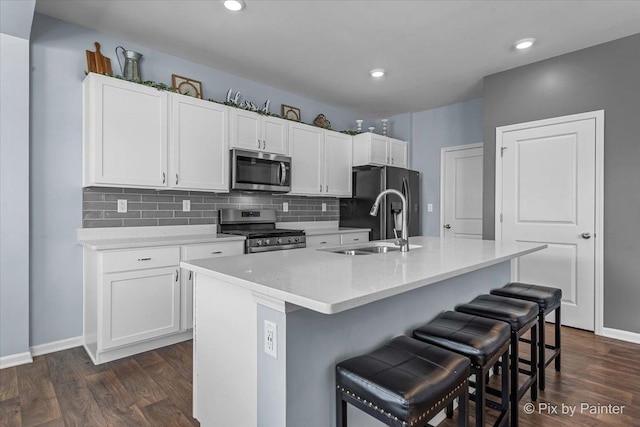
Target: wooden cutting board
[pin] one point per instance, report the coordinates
(97, 62)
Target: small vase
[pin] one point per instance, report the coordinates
(371, 129)
(384, 126)
(359, 125)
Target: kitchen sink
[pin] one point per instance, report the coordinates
(371, 248)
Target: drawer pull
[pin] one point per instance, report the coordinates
(216, 252)
(355, 240)
(323, 243)
(144, 259)
(177, 275)
(190, 273)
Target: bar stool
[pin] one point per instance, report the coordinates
(404, 383)
(548, 300)
(521, 317)
(483, 341)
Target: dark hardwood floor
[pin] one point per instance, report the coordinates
(154, 388)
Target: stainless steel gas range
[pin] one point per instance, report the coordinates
(259, 227)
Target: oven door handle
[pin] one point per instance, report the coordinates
(283, 173)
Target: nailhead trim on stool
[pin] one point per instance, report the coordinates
(403, 383)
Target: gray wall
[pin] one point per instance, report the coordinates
(456, 124)
(15, 26)
(154, 208)
(605, 77)
(58, 66)
(14, 195)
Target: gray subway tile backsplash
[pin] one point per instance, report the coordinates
(151, 207)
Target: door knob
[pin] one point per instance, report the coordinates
(447, 226)
(586, 235)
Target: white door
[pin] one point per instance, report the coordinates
(379, 150)
(307, 147)
(275, 134)
(461, 197)
(548, 189)
(398, 153)
(245, 131)
(140, 305)
(337, 164)
(199, 147)
(130, 133)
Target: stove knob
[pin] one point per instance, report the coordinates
(259, 243)
(266, 242)
(297, 240)
(290, 240)
(279, 241)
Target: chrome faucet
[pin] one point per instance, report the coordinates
(403, 242)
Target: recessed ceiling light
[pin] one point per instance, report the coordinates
(524, 43)
(234, 5)
(377, 73)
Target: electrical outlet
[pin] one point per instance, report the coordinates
(324, 207)
(122, 205)
(285, 207)
(429, 207)
(271, 339)
(186, 206)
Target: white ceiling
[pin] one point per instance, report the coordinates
(435, 52)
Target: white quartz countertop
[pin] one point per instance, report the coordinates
(339, 230)
(99, 239)
(330, 283)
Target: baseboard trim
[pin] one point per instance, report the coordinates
(15, 360)
(52, 347)
(619, 334)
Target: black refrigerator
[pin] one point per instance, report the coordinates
(368, 182)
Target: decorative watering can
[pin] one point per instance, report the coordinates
(131, 69)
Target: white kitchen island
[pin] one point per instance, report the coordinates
(326, 307)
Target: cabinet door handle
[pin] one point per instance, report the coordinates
(164, 178)
(176, 179)
(323, 243)
(216, 252)
(258, 143)
(144, 259)
(176, 275)
(392, 160)
(190, 274)
(326, 188)
(264, 144)
(355, 240)
(321, 188)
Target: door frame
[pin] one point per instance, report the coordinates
(443, 152)
(598, 116)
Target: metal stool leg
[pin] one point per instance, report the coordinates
(557, 361)
(542, 361)
(534, 362)
(514, 378)
(341, 410)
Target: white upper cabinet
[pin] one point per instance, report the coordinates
(125, 133)
(398, 155)
(337, 164)
(252, 131)
(372, 149)
(307, 148)
(199, 156)
(320, 161)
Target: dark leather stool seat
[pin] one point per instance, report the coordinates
(521, 316)
(548, 300)
(483, 341)
(403, 383)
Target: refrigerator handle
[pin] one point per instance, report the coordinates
(407, 194)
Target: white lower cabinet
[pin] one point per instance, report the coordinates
(191, 252)
(337, 239)
(140, 305)
(139, 299)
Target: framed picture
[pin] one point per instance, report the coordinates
(291, 113)
(186, 86)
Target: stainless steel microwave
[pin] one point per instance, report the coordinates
(260, 172)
